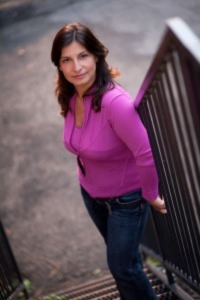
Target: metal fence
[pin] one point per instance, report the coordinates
(169, 105)
(10, 279)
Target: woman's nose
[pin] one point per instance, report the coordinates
(77, 65)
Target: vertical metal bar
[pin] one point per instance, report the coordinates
(153, 130)
(161, 157)
(7, 286)
(189, 137)
(177, 205)
(12, 262)
(173, 219)
(184, 142)
(178, 167)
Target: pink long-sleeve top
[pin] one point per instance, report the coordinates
(113, 147)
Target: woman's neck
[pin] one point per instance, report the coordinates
(82, 90)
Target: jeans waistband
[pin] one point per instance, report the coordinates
(104, 200)
(110, 199)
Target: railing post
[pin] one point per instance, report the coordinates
(8, 257)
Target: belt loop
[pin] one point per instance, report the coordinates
(109, 208)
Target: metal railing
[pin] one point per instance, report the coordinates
(11, 283)
(169, 106)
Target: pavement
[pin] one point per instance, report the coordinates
(54, 241)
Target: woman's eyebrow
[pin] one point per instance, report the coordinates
(82, 52)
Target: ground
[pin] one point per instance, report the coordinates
(53, 239)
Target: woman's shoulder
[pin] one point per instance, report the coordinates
(115, 92)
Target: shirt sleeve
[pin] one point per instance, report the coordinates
(127, 124)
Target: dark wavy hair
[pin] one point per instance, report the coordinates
(104, 75)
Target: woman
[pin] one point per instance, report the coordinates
(116, 171)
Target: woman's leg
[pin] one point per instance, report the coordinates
(122, 227)
(126, 225)
(97, 212)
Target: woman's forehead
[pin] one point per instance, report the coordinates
(73, 49)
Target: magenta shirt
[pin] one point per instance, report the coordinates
(113, 146)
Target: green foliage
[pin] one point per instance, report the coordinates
(27, 285)
(153, 262)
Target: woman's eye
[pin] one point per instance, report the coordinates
(66, 60)
(84, 55)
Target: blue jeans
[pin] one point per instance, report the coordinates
(121, 221)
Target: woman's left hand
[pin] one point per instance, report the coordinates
(159, 205)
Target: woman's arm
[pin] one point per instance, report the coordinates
(128, 126)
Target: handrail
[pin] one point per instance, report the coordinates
(169, 105)
(189, 42)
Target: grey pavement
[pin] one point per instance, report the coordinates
(53, 239)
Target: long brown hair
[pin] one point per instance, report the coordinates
(104, 75)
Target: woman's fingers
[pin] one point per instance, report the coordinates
(159, 205)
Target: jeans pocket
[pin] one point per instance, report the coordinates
(130, 198)
(133, 203)
(130, 202)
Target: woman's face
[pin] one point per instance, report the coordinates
(78, 66)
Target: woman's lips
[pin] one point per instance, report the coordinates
(79, 76)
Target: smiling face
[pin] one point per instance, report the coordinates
(78, 66)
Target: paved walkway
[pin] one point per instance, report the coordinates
(53, 239)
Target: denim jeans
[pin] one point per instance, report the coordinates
(121, 221)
